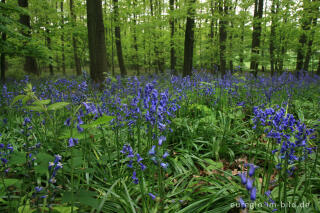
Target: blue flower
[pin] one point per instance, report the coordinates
(153, 197)
(242, 203)
(73, 142)
(165, 155)
(249, 184)
(152, 151)
(161, 139)
(243, 178)
(253, 193)
(164, 165)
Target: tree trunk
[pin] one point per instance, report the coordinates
(306, 22)
(48, 41)
(256, 35)
(97, 45)
(135, 42)
(223, 9)
(30, 65)
(189, 40)
(117, 32)
(62, 40)
(3, 56)
(74, 39)
(272, 37)
(309, 48)
(172, 50)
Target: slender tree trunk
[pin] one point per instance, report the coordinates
(97, 45)
(30, 65)
(135, 42)
(309, 48)
(48, 41)
(211, 35)
(189, 40)
(256, 35)
(272, 37)
(62, 39)
(3, 55)
(117, 32)
(74, 39)
(306, 22)
(241, 55)
(223, 9)
(172, 50)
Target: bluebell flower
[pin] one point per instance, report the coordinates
(153, 197)
(164, 165)
(67, 122)
(73, 142)
(161, 139)
(253, 193)
(243, 178)
(242, 203)
(134, 177)
(152, 151)
(165, 155)
(249, 184)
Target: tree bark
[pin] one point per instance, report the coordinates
(3, 56)
(272, 37)
(48, 41)
(256, 35)
(306, 22)
(135, 42)
(189, 40)
(172, 50)
(223, 9)
(117, 32)
(62, 40)
(30, 65)
(97, 45)
(74, 39)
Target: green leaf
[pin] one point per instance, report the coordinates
(83, 196)
(58, 105)
(42, 102)
(42, 160)
(64, 209)
(17, 98)
(35, 108)
(18, 158)
(103, 120)
(26, 99)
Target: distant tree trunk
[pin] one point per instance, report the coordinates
(241, 55)
(256, 35)
(223, 9)
(97, 45)
(48, 40)
(272, 37)
(30, 65)
(74, 39)
(62, 40)
(211, 35)
(117, 32)
(3, 55)
(189, 39)
(172, 50)
(306, 22)
(135, 42)
(309, 48)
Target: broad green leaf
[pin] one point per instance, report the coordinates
(103, 120)
(17, 98)
(58, 105)
(42, 102)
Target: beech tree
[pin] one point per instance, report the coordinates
(96, 37)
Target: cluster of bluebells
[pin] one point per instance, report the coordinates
(159, 159)
(247, 180)
(69, 122)
(54, 167)
(291, 135)
(5, 151)
(31, 153)
(135, 160)
(270, 202)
